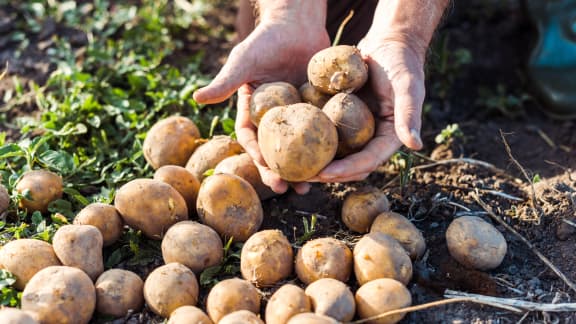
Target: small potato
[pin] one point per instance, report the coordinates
(232, 295)
(377, 255)
(286, 302)
(60, 294)
(361, 207)
(475, 243)
(169, 287)
(118, 291)
(189, 315)
(182, 180)
(80, 246)
(192, 244)
(25, 257)
(312, 96)
(337, 69)
(332, 298)
(241, 317)
(229, 205)
(105, 217)
(324, 258)
(270, 95)
(243, 166)
(4, 199)
(43, 187)
(171, 141)
(311, 318)
(209, 154)
(16, 316)
(266, 258)
(400, 228)
(380, 296)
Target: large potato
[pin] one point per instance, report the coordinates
(311, 318)
(118, 291)
(266, 258)
(286, 302)
(361, 207)
(229, 205)
(400, 228)
(151, 206)
(42, 186)
(243, 166)
(16, 316)
(209, 154)
(297, 141)
(380, 296)
(80, 246)
(232, 295)
(270, 95)
(189, 315)
(312, 96)
(105, 217)
(241, 317)
(332, 298)
(182, 180)
(4, 199)
(475, 243)
(324, 258)
(337, 69)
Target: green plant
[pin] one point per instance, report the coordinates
(9, 296)
(403, 162)
(445, 65)
(502, 101)
(449, 133)
(309, 229)
(229, 266)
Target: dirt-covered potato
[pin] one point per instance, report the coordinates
(182, 180)
(171, 141)
(378, 255)
(80, 246)
(270, 95)
(311, 318)
(232, 295)
(286, 302)
(312, 96)
(361, 207)
(323, 258)
(337, 69)
(332, 298)
(380, 296)
(42, 187)
(297, 141)
(16, 316)
(189, 315)
(400, 228)
(266, 258)
(353, 120)
(209, 154)
(105, 217)
(192, 244)
(475, 243)
(229, 205)
(118, 291)
(60, 294)
(241, 317)
(25, 257)
(243, 166)
(150, 206)
(169, 287)
(4, 199)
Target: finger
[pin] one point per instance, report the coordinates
(408, 99)
(301, 188)
(271, 179)
(245, 130)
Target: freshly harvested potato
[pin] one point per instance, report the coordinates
(380, 296)
(286, 302)
(475, 243)
(105, 217)
(25, 257)
(378, 255)
(169, 287)
(229, 205)
(118, 291)
(16, 316)
(60, 294)
(361, 207)
(80, 246)
(243, 166)
(312, 96)
(182, 180)
(189, 315)
(171, 141)
(311, 318)
(266, 258)
(241, 317)
(270, 95)
(337, 69)
(192, 244)
(323, 258)
(400, 228)
(151, 206)
(297, 141)
(42, 186)
(4, 199)
(332, 298)
(232, 295)
(209, 154)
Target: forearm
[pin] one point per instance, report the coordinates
(295, 11)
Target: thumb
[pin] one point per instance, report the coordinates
(408, 100)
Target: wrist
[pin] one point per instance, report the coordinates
(299, 12)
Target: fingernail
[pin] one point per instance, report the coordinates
(416, 137)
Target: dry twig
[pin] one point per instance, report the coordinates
(516, 303)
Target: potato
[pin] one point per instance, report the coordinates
(118, 291)
(332, 298)
(243, 166)
(312, 96)
(209, 154)
(232, 295)
(43, 187)
(266, 258)
(229, 205)
(311, 318)
(475, 243)
(337, 69)
(270, 95)
(353, 120)
(16, 316)
(169, 287)
(297, 141)
(380, 296)
(150, 206)
(171, 141)
(361, 207)
(324, 258)
(378, 255)
(189, 315)
(80, 246)
(60, 294)
(401, 229)
(192, 244)
(105, 217)
(4, 199)
(182, 180)
(25, 257)
(241, 317)
(286, 302)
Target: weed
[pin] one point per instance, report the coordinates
(448, 134)
(445, 65)
(9, 296)
(309, 229)
(403, 162)
(500, 100)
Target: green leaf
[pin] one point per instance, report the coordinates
(58, 160)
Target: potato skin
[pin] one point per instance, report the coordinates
(4, 199)
(361, 207)
(332, 298)
(243, 166)
(382, 295)
(209, 154)
(270, 95)
(241, 317)
(189, 315)
(43, 186)
(266, 258)
(80, 246)
(105, 217)
(16, 316)
(311, 318)
(312, 96)
(231, 295)
(297, 141)
(182, 180)
(337, 69)
(118, 291)
(324, 258)
(400, 228)
(286, 302)
(475, 243)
